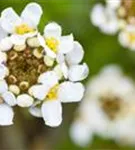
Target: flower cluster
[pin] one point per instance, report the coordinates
(117, 16)
(108, 109)
(38, 71)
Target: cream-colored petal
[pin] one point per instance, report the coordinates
(24, 100)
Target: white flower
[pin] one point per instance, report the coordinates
(104, 18)
(107, 109)
(53, 41)
(21, 27)
(127, 37)
(53, 94)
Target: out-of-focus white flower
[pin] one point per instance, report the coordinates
(105, 108)
(22, 27)
(127, 37)
(51, 93)
(113, 4)
(104, 18)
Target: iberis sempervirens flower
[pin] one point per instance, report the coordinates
(38, 71)
(116, 16)
(108, 109)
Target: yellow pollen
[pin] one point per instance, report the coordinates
(23, 29)
(52, 95)
(52, 43)
(131, 37)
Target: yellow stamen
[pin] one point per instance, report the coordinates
(52, 43)
(23, 29)
(131, 37)
(53, 93)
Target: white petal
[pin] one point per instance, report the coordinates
(70, 92)
(66, 44)
(52, 112)
(64, 69)
(9, 19)
(3, 71)
(41, 39)
(32, 14)
(80, 133)
(58, 72)
(52, 30)
(49, 61)
(9, 98)
(24, 100)
(76, 55)
(21, 39)
(6, 115)
(6, 44)
(3, 57)
(3, 86)
(78, 72)
(60, 58)
(35, 111)
(48, 78)
(39, 91)
(3, 34)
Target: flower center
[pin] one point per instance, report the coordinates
(131, 37)
(52, 95)
(24, 68)
(111, 106)
(52, 43)
(23, 29)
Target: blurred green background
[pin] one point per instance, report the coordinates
(29, 133)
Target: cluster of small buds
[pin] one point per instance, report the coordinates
(116, 16)
(38, 71)
(108, 109)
